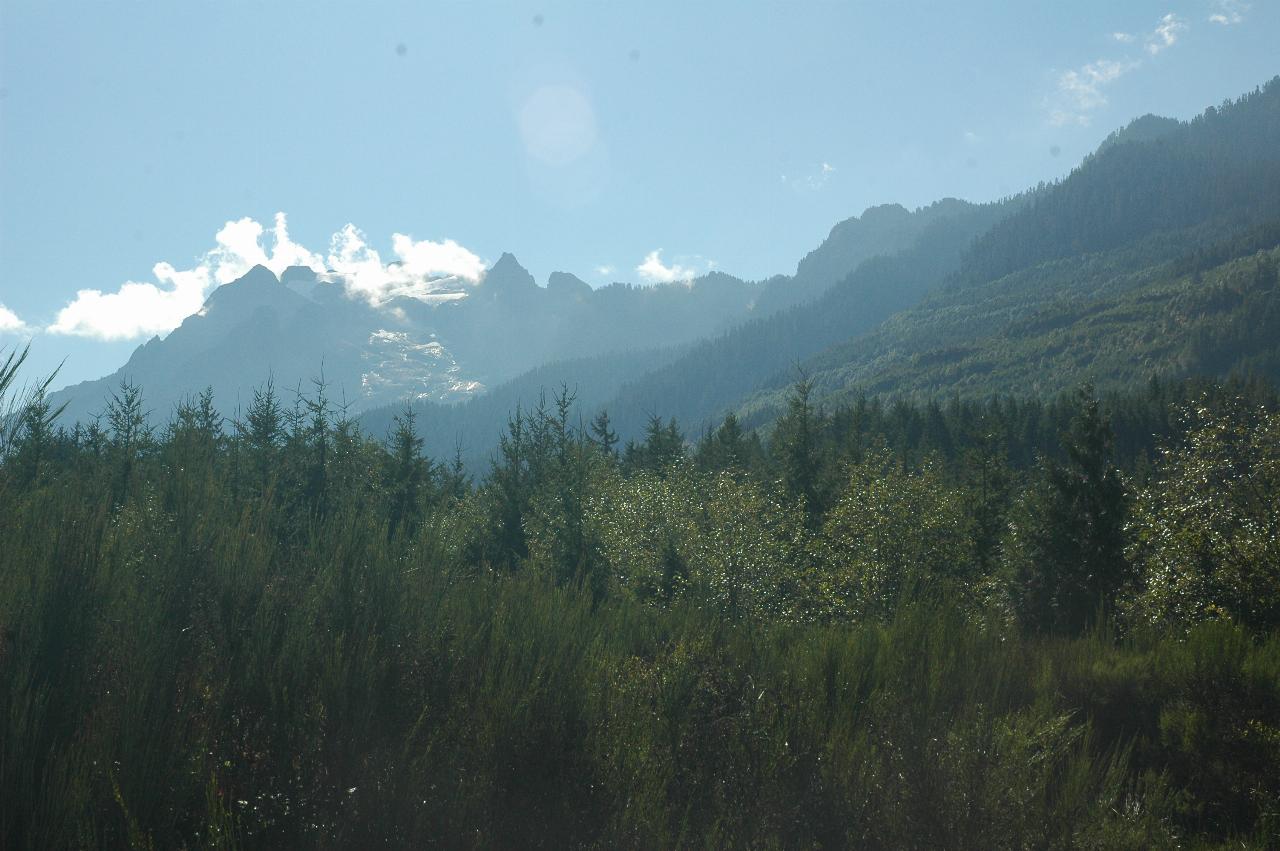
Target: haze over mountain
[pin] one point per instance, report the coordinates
(1111, 275)
(452, 339)
(953, 297)
(445, 344)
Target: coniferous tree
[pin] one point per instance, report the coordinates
(603, 435)
(408, 475)
(313, 440)
(795, 447)
(1067, 553)
(726, 448)
(989, 484)
(36, 438)
(261, 434)
(130, 434)
(503, 542)
(663, 446)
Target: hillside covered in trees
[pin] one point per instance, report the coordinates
(1156, 256)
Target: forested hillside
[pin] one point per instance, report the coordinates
(1121, 271)
(714, 374)
(1174, 320)
(1156, 257)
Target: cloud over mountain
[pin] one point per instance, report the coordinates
(655, 271)
(146, 308)
(414, 272)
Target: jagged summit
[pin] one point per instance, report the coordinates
(258, 276)
(447, 343)
(259, 287)
(508, 276)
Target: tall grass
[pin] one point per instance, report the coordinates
(194, 660)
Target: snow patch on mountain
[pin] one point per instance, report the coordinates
(398, 367)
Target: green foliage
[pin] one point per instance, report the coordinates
(408, 475)
(1206, 532)
(718, 541)
(1112, 319)
(893, 530)
(1066, 553)
(729, 447)
(281, 633)
(603, 435)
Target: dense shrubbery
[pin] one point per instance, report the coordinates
(280, 632)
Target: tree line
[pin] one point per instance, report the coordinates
(956, 624)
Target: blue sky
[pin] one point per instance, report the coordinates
(618, 141)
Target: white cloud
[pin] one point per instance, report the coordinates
(146, 308)
(137, 309)
(10, 323)
(812, 181)
(427, 258)
(1166, 34)
(1229, 12)
(605, 270)
(1080, 91)
(655, 271)
(420, 270)
(240, 249)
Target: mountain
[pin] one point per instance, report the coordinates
(449, 341)
(471, 429)
(443, 342)
(697, 382)
(702, 385)
(1155, 257)
(880, 231)
(248, 331)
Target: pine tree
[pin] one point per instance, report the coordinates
(663, 446)
(508, 493)
(795, 449)
(603, 435)
(130, 435)
(725, 448)
(262, 433)
(408, 475)
(1067, 553)
(36, 438)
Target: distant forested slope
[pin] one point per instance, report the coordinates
(1156, 256)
